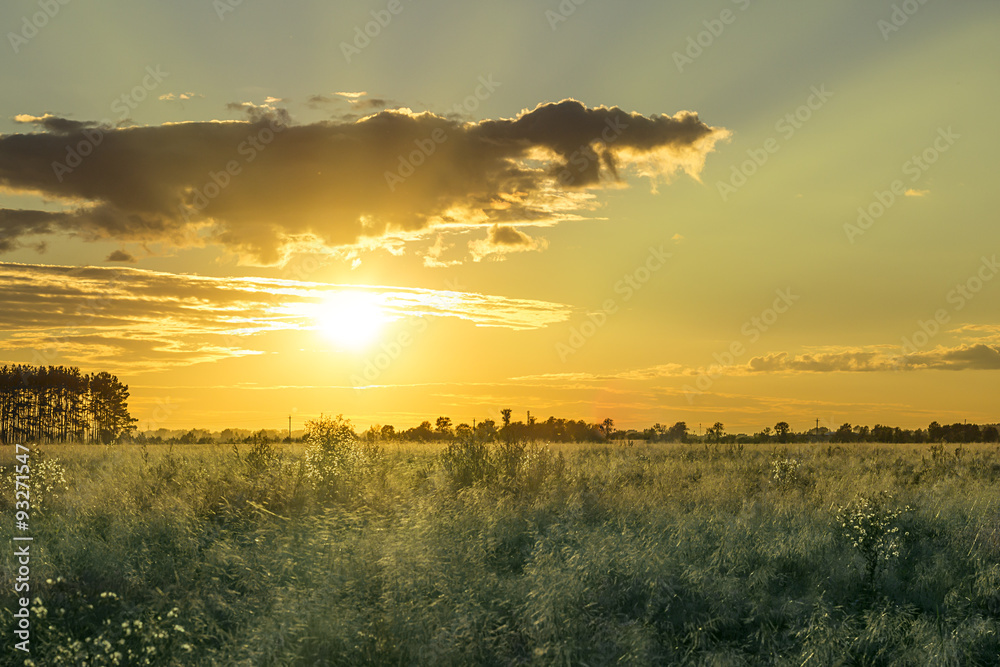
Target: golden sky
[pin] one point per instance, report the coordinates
(738, 211)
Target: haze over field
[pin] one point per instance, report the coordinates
(740, 211)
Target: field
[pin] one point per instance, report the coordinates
(400, 554)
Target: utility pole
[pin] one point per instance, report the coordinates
(817, 426)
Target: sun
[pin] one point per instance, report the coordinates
(352, 320)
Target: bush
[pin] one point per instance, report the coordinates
(336, 462)
(466, 463)
(871, 525)
(514, 467)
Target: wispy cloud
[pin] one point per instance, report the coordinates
(981, 354)
(183, 97)
(127, 318)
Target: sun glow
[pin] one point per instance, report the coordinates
(352, 320)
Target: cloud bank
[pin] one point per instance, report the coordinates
(265, 186)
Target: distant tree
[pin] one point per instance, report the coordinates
(388, 432)
(421, 433)
(716, 432)
(486, 430)
(463, 432)
(443, 427)
(659, 432)
(990, 434)
(844, 433)
(781, 430)
(60, 404)
(678, 432)
(935, 433)
(505, 414)
(262, 437)
(882, 433)
(607, 427)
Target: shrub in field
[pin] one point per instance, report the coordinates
(785, 472)
(260, 460)
(508, 459)
(336, 461)
(871, 525)
(466, 462)
(104, 630)
(513, 466)
(47, 482)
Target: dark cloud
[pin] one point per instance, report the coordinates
(964, 357)
(826, 362)
(957, 358)
(120, 256)
(318, 100)
(263, 185)
(375, 103)
(18, 223)
(505, 235)
(54, 124)
(502, 240)
(358, 101)
(260, 113)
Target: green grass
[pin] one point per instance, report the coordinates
(582, 554)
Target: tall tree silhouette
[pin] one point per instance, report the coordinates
(60, 404)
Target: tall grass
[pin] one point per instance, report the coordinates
(511, 554)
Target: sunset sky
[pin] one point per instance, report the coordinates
(733, 211)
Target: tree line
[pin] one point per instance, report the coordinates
(60, 404)
(846, 433)
(555, 429)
